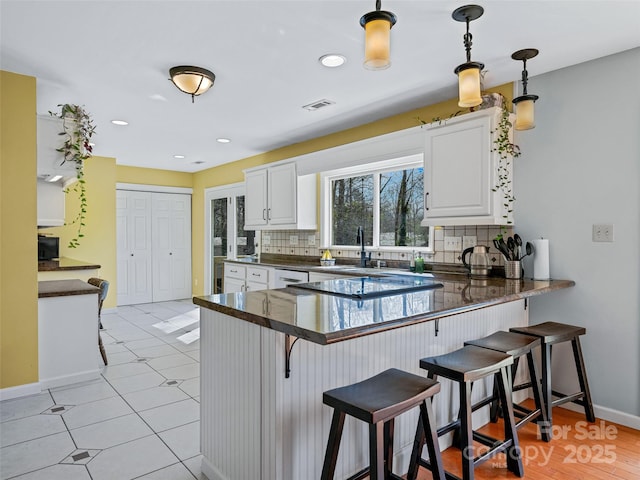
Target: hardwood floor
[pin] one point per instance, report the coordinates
(578, 451)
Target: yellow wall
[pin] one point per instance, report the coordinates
(18, 233)
(232, 172)
(99, 242)
(153, 176)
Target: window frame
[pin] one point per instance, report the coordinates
(375, 169)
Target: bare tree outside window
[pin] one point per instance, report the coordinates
(352, 207)
(400, 196)
(401, 209)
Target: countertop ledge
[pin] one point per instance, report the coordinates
(317, 318)
(64, 263)
(64, 288)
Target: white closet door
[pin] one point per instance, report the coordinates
(133, 233)
(171, 234)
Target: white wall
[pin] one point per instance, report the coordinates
(580, 166)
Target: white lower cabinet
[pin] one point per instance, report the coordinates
(246, 278)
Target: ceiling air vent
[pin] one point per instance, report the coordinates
(317, 105)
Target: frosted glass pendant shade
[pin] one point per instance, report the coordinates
(377, 44)
(469, 85)
(525, 119)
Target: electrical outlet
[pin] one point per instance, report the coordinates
(311, 240)
(602, 233)
(293, 240)
(452, 244)
(469, 241)
(266, 239)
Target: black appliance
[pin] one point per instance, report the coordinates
(48, 248)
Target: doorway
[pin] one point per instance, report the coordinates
(225, 233)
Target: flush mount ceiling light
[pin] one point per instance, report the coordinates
(469, 72)
(119, 122)
(524, 103)
(178, 156)
(193, 81)
(223, 140)
(377, 38)
(332, 60)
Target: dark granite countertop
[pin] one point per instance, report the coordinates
(326, 319)
(65, 264)
(63, 288)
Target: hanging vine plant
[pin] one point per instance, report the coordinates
(77, 128)
(502, 145)
(507, 151)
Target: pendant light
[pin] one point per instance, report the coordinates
(193, 81)
(525, 119)
(377, 38)
(469, 72)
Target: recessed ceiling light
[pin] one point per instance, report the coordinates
(119, 122)
(222, 140)
(332, 60)
(178, 156)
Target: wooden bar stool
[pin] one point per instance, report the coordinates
(517, 345)
(378, 401)
(466, 366)
(551, 333)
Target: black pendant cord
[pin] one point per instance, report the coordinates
(468, 42)
(378, 4)
(525, 77)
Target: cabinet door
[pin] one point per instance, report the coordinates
(255, 214)
(282, 201)
(171, 230)
(232, 285)
(133, 234)
(457, 169)
(255, 286)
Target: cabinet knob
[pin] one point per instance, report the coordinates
(132, 254)
(170, 253)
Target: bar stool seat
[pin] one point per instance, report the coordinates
(517, 345)
(377, 401)
(464, 366)
(552, 333)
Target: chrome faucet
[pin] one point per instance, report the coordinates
(363, 255)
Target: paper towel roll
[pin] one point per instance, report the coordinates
(541, 259)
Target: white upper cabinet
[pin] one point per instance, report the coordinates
(51, 162)
(461, 172)
(277, 198)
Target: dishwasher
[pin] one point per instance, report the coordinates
(284, 278)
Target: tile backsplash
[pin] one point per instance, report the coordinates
(307, 243)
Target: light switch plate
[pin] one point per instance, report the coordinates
(452, 244)
(469, 241)
(293, 240)
(266, 239)
(311, 240)
(602, 233)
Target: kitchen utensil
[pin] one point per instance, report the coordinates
(502, 250)
(529, 249)
(479, 263)
(518, 240)
(511, 245)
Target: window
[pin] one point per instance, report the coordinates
(386, 199)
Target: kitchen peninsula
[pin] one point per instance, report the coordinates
(257, 423)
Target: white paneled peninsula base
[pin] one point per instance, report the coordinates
(258, 424)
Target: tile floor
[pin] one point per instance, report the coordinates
(140, 419)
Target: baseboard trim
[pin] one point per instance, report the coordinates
(65, 380)
(20, 391)
(211, 472)
(608, 414)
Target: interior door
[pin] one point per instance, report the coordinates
(171, 241)
(133, 234)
